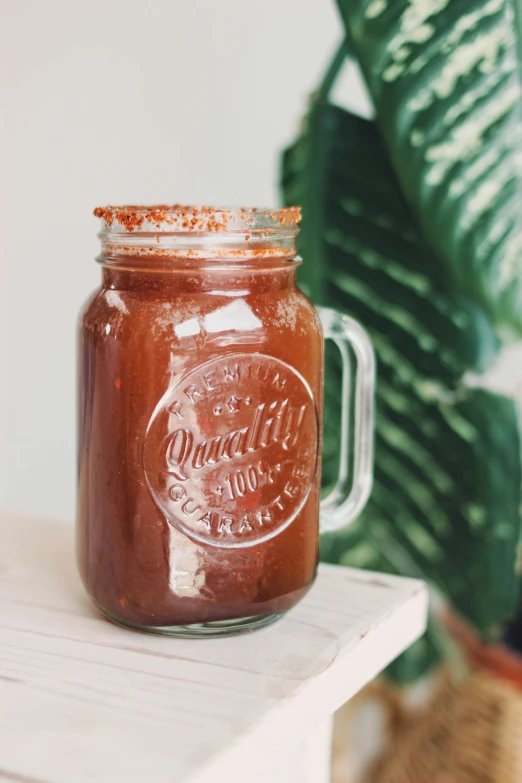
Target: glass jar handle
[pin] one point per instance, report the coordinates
(345, 501)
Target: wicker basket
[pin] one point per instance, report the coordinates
(471, 732)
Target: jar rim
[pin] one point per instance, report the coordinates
(179, 219)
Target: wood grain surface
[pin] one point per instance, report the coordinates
(84, 700)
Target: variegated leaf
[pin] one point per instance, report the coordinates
(445, 80)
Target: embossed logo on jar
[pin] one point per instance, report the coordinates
(231, 450)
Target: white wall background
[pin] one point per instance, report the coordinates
(122, 101)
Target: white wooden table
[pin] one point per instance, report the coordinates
(84, 700)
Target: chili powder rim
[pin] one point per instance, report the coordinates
(181, 219)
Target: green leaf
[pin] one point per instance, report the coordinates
(445, 80)
(447, 491)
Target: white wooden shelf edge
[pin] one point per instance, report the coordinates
(83, 700)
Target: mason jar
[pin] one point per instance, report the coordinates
(200, 415)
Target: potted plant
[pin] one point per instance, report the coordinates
(412, 223)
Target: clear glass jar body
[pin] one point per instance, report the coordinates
(200, 418)
(199, 440)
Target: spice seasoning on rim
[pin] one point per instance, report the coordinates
(201, 375)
